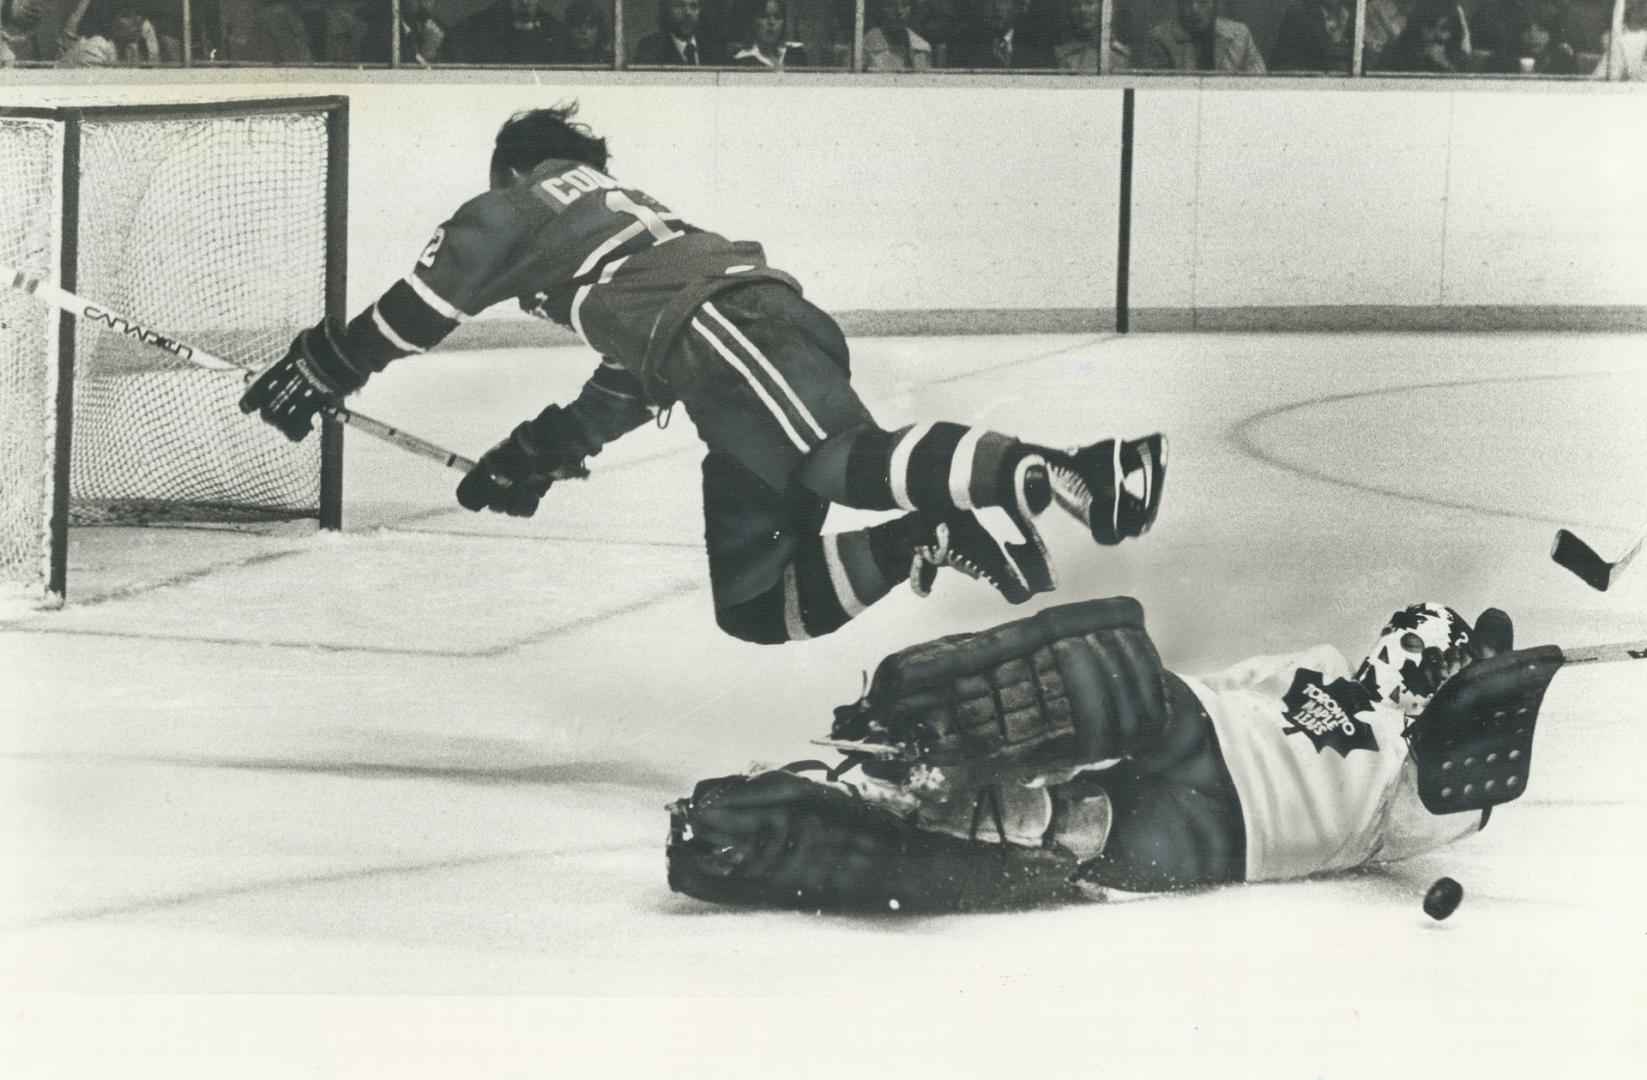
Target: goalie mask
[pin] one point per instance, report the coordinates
(1418, 648)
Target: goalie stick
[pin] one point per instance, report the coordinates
(82, 308)
(1598, 654)
(1574, 554)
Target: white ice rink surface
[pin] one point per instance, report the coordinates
(259, 787)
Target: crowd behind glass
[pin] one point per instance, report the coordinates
(1604, 39)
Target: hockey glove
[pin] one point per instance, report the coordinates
(776, 839)
(514, 475)
(312, 376)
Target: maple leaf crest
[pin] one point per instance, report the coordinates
(1326, 713)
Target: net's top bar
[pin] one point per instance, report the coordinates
(31, 113)
(182, 109)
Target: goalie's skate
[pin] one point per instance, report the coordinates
(982, 547)
(1113, 486)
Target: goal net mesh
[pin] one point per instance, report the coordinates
(209, 227)
(212, 231)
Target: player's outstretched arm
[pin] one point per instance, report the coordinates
(612, 403)
(314, 373)
(515, 475)
(327, 362)
(463, 270)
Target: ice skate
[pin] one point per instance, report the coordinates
(995, 545)
(1112, 486)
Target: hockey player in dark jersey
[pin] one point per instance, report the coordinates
(681, 314)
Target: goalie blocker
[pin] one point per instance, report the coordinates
(1034, 761)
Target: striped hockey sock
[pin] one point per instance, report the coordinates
(936, 467)
(831, 580)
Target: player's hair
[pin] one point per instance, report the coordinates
(533, 136)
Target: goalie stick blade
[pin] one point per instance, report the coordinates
(1575, 555)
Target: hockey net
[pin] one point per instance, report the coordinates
(210, 225)
(31, 164)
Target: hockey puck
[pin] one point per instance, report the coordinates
(1443, 898)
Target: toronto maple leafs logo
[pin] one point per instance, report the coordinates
(1327, 713)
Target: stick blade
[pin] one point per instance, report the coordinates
(1575, 555)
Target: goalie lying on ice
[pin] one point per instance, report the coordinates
(1053, 758)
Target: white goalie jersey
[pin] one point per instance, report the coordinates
(1321, 788)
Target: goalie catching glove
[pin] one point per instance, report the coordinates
(313, 376)
(513, 476)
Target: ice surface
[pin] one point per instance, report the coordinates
(430, 756)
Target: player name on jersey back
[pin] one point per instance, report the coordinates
(570, 186)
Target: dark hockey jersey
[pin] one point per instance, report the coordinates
(569, 244)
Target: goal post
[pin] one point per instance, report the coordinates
(223, 223)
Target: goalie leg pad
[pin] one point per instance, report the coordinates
(776, 839)
(1070, 685)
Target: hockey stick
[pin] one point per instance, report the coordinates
(1575, 555)
(1601, 654)
(64, 300)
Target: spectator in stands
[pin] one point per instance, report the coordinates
(1080, 51)
(1626, 58)
(107, 33)
(510, 33)
(1199, 39)
(677, 42)
(1041, 25)
(1315, 35)
(336, 29)
(586, 34)
(422, 34)
(936, 22)
(1385, 21)
(988, 41)
(275, 34)
(166, 16)
(1531, 36)
(765, 25)
(889, 43)
(831, 27)
(1432, 42)
(300, 32)
(23, 30)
